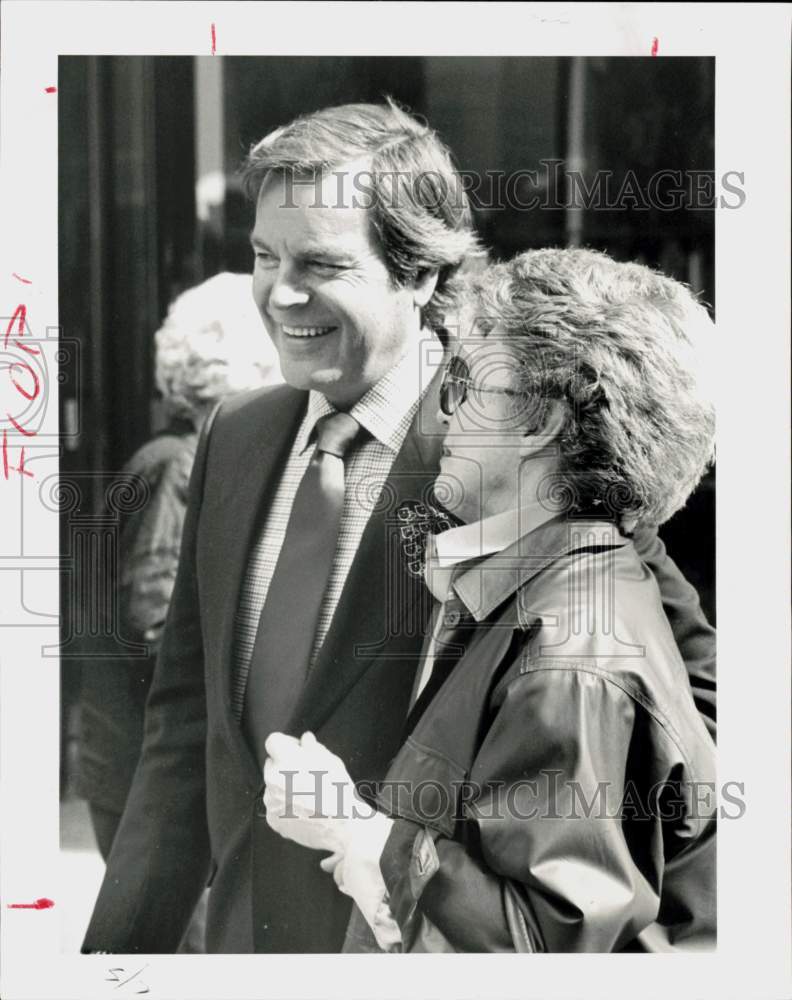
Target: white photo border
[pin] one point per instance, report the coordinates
(750, 44)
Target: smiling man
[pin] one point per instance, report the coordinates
(295, 608)
(322, 284)
(286, 608)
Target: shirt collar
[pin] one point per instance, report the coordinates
(318, 407)
(387, 409)
(447, 551)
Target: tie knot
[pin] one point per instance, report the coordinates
(335, 433)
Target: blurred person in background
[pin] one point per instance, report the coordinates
(211, 345)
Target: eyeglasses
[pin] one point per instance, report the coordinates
(457, 382)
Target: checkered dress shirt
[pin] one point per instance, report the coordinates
(386, 412)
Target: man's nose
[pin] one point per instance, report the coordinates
(287, 291)
(443, 419)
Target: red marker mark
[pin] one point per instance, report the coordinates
(655, 46)
(25, 281)
(24, 366)
(20, 314)
(40, 904)
(214, 39)
(23, 472)
(29, 392)
(20, 428)
(50, 90)
(26, 347)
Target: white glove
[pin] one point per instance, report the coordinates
(310, 799)
(309, 796)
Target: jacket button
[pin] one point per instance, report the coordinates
(452, 619)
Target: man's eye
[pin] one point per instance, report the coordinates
(265, 258)
(325, 265)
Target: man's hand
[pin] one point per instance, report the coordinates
(309, 796)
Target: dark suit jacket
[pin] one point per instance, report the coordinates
(194, 807)
(114, 686)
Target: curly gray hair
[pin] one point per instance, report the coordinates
(212, 343)
(626, 349)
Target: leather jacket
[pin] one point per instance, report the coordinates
(558, 792)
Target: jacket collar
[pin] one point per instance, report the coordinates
(485, 586)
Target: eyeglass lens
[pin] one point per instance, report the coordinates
(454, 386)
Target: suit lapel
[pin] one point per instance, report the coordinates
(383, 610)
(252, 452)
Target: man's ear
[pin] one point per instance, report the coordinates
(546, 436)
(424, 287)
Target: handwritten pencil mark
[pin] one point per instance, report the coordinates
(114, 977)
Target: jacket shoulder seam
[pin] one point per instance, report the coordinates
(650, 707)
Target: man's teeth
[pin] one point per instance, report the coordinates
(306, 331)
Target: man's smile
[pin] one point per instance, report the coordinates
(298, 332)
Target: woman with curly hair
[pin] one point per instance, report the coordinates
(556, 787)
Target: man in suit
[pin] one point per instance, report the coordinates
(292, 531)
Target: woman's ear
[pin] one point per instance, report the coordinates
(424, 287)
(545, 437)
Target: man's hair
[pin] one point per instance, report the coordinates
(626, 349)
(212, 343)
(418, 205)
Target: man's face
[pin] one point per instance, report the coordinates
(321, 285)
(480, 465)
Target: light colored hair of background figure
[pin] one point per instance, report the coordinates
(418, 205)
(212, 343)
(630, 352)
